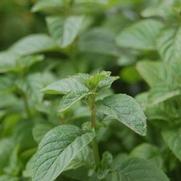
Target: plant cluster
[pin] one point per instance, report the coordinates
(65, 112)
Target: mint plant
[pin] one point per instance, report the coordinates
(69, 147)
(67, 81)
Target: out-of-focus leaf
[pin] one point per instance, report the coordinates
(40, 130)
(169, 44)
(141, 35)
(173, 139)
(8, 178)
(137, 169)
(6, 147)
(65, 31)
(152, 72)
(14, 166)
(32, 44)
(148, 152)
(98, 41)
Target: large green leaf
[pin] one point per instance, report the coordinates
(141, 35)
(64, 30)
(126, 110)
(57, 150)
(173, 139)
(169, 44)
(136, 169)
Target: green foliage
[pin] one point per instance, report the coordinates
(67, 88)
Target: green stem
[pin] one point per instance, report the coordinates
(93, 125)
(26, 105)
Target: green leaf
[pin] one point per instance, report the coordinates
(161, 93)
(9, 100)
(105, 165)
(65, 86)
(40, 130)
(33, 44)
(17, 63)
(57, 150)
(172, 138)
(70, 99)
(57, 6)
(32, 85)
(152, 72)
(47, 5)
(14, 59)
(65, 30)
(8, 178)
(28, 172)
(162, 9)
(136, 169)
(14, 167)
(126, 110)
(99, 41)
(100, 80)
(169, 44)
(141, 35)
(148, 152)
(6, 147)
(22, 134)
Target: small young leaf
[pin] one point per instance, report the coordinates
(126, 110)
(100, 80)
